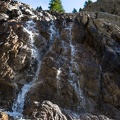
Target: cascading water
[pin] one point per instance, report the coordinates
(58, 81)
(18, 104)
(72, 76)
(58, 74)
(52, 33)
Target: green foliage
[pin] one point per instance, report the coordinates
(39, 8)
(80, 9)
(74, 10)
(56, 5)
(87, 3)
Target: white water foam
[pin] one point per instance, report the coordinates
(58, 82)
(52, 31)
(73, 78)
(18, 105)
(58, 73)
(30, 29)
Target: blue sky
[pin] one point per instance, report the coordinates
(68, 5)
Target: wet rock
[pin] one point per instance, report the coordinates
(80, 56)
(89, 57)
(51, 63)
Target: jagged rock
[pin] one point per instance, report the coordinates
(3, 116)
(109, 6)
(90, 59)
(3, 6)
(101, 30)
(6, 93)
(79, 56)
(3, 22)
(93, 117)
(84, 19)
(49, 111)
(14, 13)
(3, 17)
(112, 91)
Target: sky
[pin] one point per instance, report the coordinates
(68, 5)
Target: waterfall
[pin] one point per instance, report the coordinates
(58, 81)
(58, 73)
(53, 32)
(30, 29)
(18, 104)
(72, 76)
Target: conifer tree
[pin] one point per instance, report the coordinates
(80, 9)
(87, 3)
(39, 8)
(74, 10)
(56, 5)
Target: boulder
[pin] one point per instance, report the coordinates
(49, 111)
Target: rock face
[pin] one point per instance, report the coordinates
(49, 111)
(3, 116)
(15, 50)
(109, 6)
(72, 60)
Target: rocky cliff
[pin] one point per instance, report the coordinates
(71, 60)
(109, 6)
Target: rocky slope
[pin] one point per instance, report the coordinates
(72, 60)
(109, 6)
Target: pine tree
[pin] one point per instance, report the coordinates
(56, 5)
(74, 10)
(39, 8)
(80, 9)
(87, 3)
